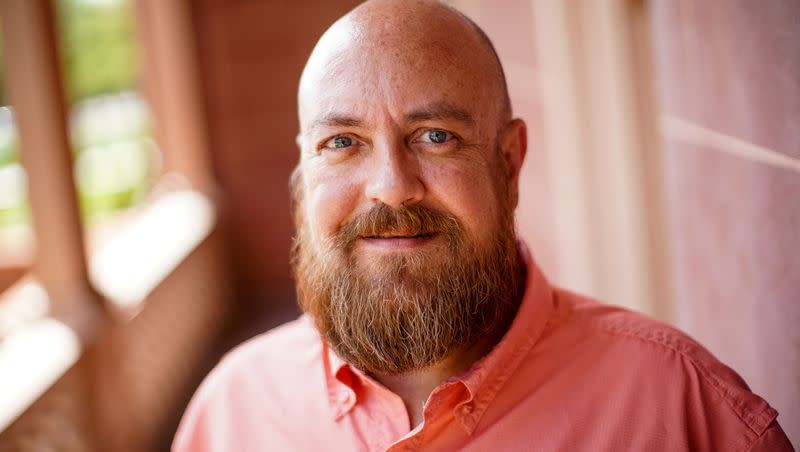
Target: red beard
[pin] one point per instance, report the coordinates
(407, 311)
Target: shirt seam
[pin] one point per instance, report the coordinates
(756, 422)
(755, 441)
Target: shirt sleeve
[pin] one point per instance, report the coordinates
(190, 434)
(772, 440)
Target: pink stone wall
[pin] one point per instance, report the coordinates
(731, 72)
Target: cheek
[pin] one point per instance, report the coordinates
(468, 192)
(330, 200)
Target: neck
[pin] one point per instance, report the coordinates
(416, 386)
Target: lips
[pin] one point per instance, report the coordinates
(398, 240)
(396, 235)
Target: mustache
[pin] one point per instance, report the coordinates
(407, 220)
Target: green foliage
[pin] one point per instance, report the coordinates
(98, 48)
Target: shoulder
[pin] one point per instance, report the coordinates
(660, 366)
(252, 384)
(275, 354)
(291, 343)
(616, 326)
(279, 355)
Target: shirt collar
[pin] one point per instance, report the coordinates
(340, 382)
(483, 379)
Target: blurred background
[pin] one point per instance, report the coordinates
(146, 145)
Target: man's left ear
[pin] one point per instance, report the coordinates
(514, 145)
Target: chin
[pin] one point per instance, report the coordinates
(403, 264)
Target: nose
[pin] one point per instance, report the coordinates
(393, 178)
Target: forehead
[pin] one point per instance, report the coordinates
(360, 72)
(363, 85)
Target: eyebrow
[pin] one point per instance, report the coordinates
(335, 120)
(440, 110)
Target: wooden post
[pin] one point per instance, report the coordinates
(37, 97)
(172, 84)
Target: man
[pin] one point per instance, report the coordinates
(426, 326)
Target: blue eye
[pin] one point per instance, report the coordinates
(437, 136)
(341, 142)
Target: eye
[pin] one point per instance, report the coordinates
(338, 142)
(436, 136)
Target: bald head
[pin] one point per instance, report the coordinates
(381, 42)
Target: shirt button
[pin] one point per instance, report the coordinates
(344, 397)
(466, 408)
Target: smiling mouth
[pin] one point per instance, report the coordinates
(400, 236)
(398, 240)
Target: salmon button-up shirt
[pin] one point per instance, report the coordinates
(571, 374)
